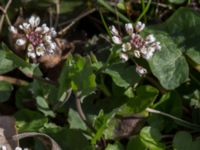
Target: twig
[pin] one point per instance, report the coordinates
(57, 13)
(4, 10)
(14, 81)
(81, 113)
(64, 30)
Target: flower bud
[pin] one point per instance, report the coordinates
(129, 28)
(126, 47)
(137, 53)
(114, 31)
(13, 30)
(117, 40)
(139, 26)
(124, 57)
(150, 39)
(20, 42)
(140, 70)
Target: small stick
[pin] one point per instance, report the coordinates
(57, 13)
(4, 10)
(64, 30)
(14, 81)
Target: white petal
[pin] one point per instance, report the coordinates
(126, 47)
(137, 53)
(30, 48)
(38, 29)
(150, 39)
(18, 148)
(53, 32)
(139, 26)
(129, 28)
(3, 147)
(148, 55)
(21, 42)
(124, 57)
(140, 70)
(40, 50)
(45, 28)
(117, 40)
(114, 31)
(13, 30)
(31, 55)
(47, 38)
(34, 21)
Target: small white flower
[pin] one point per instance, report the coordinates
(117, 40)
(139, 26)
(140, 70)
(136, 53)
(47, 38)
(3, 147)
(53, 32)
(150, 39)
(25, 26)
(124, 57)
(40, 50)
(126, 47)
(13, 30)
(129, 28)
(148, 55)
(30, 48)
(18, 148)
(157, 46)
(21, 42)
(38, 29)
(31, 55)
(34, 21)
(53, 45)
(114, 31)
(45, 28)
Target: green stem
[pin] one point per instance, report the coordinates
(179, 121)
(144, 11)
(105, 24)
(103, 87)
(109, 8)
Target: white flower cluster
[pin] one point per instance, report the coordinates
(3, 147)
(137, 45)
(38, 40)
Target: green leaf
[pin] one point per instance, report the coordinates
(170, 103)
(116, 146)
(75, 122)
(6, 64)
(135, 143)
(43, 106)
(169, 65)
(5, 91)
(69, 139)
(27, 120)
(182, 141)
(122, 74)
(145, 96)
(151, 138)
(13, 61)
(81, 76)
(177, 1)
(183, 27)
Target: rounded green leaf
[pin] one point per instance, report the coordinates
(169, 65)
